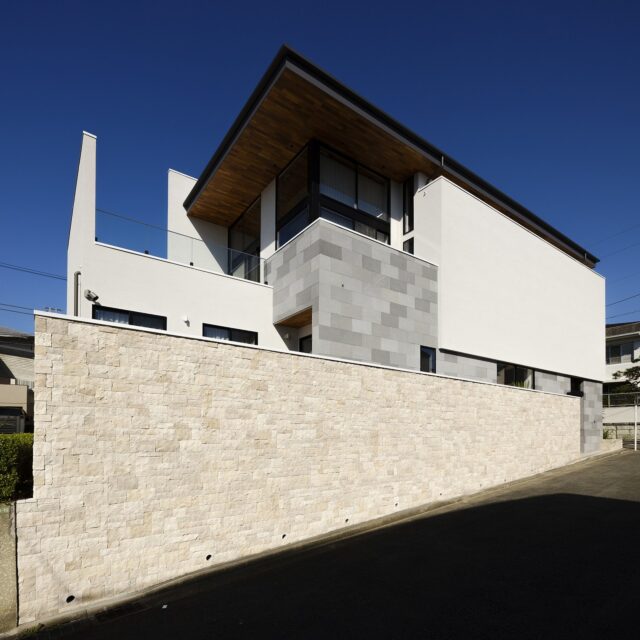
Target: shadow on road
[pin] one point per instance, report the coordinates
(551, 566)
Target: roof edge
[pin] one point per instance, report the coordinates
(449, 164)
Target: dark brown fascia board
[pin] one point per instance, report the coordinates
(449, 165)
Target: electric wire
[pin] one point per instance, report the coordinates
(35, 272)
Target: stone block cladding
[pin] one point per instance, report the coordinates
(463, 366)
(591, 433)
(153, 452)
(552, 382)
(370, 302)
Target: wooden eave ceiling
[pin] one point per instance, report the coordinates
(296, 108)
(293, 112)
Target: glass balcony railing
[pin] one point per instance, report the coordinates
(127, 233)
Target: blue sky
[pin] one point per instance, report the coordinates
(540, 98)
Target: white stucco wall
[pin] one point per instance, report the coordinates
(191, 240)
(134, 281)
(505, 293)
(82, 229)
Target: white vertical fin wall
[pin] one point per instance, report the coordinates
(191, 240)
(82, 230)
(504, 292)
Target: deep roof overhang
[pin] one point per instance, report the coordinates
(295, 102)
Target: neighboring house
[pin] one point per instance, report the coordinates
(16, 381)
(623, 348)
(322, 225)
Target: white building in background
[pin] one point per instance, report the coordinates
(622, 352)
(322, 225)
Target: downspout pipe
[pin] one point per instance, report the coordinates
(76, 283)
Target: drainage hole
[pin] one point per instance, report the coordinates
(284, 535)
(209, 557)
(396, 504)
(70, 599)
(347, 520)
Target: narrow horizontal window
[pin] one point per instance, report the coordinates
(514, 375)
(133, 318)
(229, 333)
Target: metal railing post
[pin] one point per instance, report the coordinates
(635, 424)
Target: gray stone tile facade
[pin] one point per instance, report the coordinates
(554, 383)
(369, 302)
(463, 366)
(591, 416)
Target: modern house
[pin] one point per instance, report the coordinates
(623, 349)
(322, 225)
(16, 381)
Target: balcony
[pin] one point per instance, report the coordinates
(121, 231)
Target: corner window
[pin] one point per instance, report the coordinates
(407, 246)
(228, 333)
(354, 186)
(133, 318)
(515, 376)
(407, 205)
(428, 359)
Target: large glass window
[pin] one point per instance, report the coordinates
(244, 244)
(228, 333)
(515, 375)
(293, 185)
(354, 186)
(428, 359)
(619, 353)
(372, 195)
(135, 318)
(322, 183)
(337, 179)
(293, 227)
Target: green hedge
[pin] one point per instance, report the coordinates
(16, 466)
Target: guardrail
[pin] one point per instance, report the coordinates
(142, 237)
(621, 399)
(621, 414)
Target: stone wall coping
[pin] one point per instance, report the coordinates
(297, 354)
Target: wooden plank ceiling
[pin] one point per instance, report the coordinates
(293, 112)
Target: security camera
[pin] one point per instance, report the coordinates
(89, 295)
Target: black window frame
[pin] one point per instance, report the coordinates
(432, 358)
(408, 192)
(516, 367)
(407, 246)
(131, 314)
(233, 333)
(628, 351)
(315, 201)
(304, 340)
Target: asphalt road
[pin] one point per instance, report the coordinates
(553, 557)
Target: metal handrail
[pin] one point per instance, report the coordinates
(153, 240)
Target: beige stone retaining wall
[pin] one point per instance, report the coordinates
(153, 452)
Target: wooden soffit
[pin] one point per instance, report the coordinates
(295, 110)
